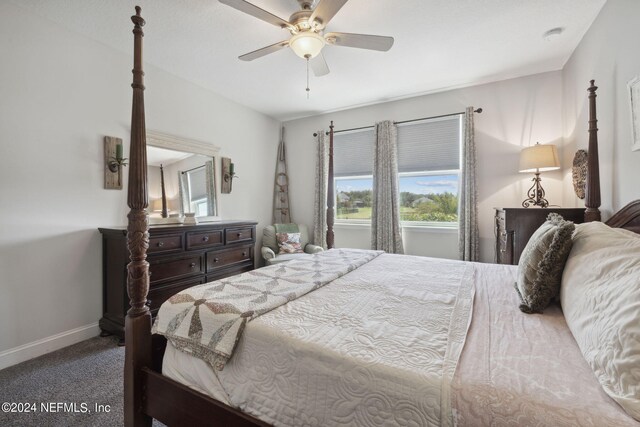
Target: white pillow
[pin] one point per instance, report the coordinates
(600, 296)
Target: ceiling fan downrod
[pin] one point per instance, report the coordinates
(307, 57)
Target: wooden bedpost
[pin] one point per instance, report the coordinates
(138, 319)
(330, 196)
(592, 199)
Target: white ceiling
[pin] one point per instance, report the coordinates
(439, 44)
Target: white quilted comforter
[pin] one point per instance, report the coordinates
(376, 347)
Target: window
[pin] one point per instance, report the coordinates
(428, 172)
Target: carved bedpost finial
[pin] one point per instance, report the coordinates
(138, 319)
(592, 199)
(138, 235)
(137, 19)
(330, 195)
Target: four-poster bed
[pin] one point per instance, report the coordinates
(150, 394)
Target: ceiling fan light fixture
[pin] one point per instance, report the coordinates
(307, 44)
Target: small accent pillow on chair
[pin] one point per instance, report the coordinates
(289, 243)
(542, 262)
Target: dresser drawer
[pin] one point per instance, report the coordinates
(160, 294)
(165, 244)
(204, 240)
(236, 235)
(216, 260)
(174, 268)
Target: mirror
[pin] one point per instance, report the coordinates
(188, 170)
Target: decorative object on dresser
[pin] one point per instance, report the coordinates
(515, 226)
(579, 172)
(634, 105)
(113, 163)
(536, 159)
(228, 173)
(179, 256)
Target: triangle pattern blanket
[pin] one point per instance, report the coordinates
(207, 321)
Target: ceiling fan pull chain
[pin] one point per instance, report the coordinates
(308, 90)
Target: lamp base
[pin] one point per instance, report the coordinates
(535, 194)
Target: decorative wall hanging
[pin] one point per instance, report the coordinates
(228, 174)
(634, 103)
(579, 172)
(281, 209)
(113, 163)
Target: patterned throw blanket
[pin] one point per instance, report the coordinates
(207, 321)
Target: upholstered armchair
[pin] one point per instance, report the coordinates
(270, 247)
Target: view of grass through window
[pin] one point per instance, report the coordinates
(423, 198)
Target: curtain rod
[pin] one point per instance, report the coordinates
(479, 110)
(192, 169)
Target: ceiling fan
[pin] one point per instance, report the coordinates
(307, 32)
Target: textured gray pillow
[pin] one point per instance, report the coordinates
(541, 264)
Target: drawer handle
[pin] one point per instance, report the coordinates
(244, 254)
(205, 239)
(160, 244)
(216, 259)
(192, 265)
(239, 234)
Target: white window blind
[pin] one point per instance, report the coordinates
(430, 145)
(353, 153)
(197, 189)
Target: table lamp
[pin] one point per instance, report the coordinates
(536, 159)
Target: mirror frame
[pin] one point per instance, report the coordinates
(178, 143)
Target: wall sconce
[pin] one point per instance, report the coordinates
(536, 159)
(228, 173)
(113, 162)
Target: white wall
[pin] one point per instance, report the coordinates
(607, 53)
(517, 113)
(60, 93)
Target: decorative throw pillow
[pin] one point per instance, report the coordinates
(541, 264)
(600, 297)
(289, 243)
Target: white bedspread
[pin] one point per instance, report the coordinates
(377, 347)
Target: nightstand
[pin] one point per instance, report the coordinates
(514, 227)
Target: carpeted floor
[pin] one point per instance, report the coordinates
(85, 374)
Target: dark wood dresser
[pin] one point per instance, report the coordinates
(179, 256)
(514, 227)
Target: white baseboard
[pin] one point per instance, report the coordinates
(15, 355)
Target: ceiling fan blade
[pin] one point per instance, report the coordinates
(319, 65)
(326, 10)
(264, 51)
(255, 11)
(361, 41)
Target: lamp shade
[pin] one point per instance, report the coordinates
(307, 43)
(539, 158)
